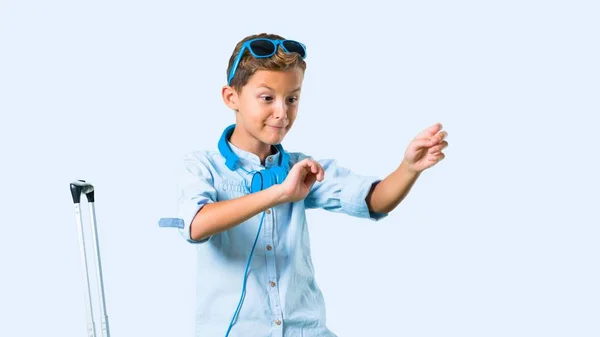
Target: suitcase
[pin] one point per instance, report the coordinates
(79, 188)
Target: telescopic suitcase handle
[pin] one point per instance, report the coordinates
(78, 188)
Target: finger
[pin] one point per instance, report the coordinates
(439, 147)
(321, 173)
(309, 166)
(430, 131)
(438, 138)
(442, 135)
(302, 167)
(418, 144)
(309, 179)
(436, 157)
(305, 163)
(314, 167)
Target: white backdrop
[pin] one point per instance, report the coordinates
(499, 239)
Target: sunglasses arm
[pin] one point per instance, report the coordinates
(235, 64)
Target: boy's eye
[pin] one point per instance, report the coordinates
(268, 98)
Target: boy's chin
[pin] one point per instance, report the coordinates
(273, 139)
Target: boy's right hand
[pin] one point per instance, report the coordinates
(300, 179)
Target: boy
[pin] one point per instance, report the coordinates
(255, 276)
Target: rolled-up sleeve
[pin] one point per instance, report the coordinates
(196, 186)
(343, 191)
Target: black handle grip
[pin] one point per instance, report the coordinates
(80, 186)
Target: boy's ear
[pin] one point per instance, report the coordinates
(230, 97)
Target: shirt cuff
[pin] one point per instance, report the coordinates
(187, 214)
(353, 197)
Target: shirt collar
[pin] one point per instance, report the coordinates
(249, 158)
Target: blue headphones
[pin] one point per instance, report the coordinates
(262, 179)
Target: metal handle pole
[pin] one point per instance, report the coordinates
(91, 327)
(104, 315)
(77, 188)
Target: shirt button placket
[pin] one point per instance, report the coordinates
(272, 272)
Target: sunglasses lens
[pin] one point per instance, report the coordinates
(294, 47)
(262, 47)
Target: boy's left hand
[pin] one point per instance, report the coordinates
(425, 150)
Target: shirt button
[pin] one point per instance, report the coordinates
(269, 247)
(270, 159)
(272, 284)
(278, 322)
(268, 211)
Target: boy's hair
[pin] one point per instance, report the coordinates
(248, 64)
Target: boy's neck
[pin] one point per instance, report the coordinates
(247, 143)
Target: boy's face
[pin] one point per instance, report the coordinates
(267, 105)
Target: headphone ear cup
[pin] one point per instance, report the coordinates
(279, 174)
(264, 179)
(268, 179)
(257, 182)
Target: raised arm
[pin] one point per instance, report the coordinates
(423, 152)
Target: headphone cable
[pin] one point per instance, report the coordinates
(243, 295)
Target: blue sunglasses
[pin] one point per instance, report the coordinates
(263, 48)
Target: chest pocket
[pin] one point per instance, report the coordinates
(231, 189)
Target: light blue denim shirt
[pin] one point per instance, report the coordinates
(282, 296)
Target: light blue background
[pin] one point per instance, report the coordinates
(499, 239)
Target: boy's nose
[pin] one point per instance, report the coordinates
(280, 111)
